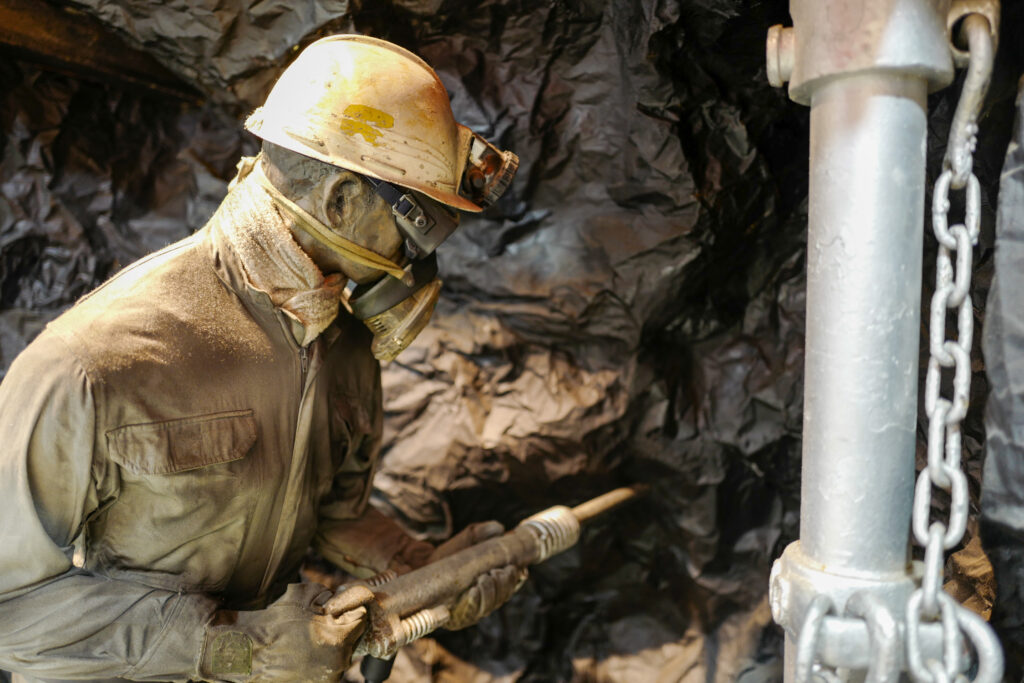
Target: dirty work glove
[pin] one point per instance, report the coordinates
(293, 639)
(491, 591)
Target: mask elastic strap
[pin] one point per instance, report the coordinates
(330, 239)
(402, 204)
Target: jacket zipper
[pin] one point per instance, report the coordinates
(280, 545)
(304, 365)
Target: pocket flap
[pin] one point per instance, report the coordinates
(185, 444)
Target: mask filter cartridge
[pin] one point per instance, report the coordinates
(395, 328)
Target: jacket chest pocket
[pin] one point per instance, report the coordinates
(185, 502)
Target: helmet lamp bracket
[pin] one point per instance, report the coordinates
(489, 172)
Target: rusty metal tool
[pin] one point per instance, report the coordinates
(408, 607)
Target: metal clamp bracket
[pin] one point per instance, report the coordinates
(847, 641)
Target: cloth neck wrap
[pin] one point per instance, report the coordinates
(274, 263)
(317, 230)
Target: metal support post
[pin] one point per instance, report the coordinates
(865, 222)
(865, 68)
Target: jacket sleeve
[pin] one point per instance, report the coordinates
(369, 545)
(58, 620)
(351, 533)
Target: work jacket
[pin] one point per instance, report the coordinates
(167, 448)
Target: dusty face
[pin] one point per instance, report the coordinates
(342, 202)
(353, 210)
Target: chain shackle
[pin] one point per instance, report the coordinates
(963, 135)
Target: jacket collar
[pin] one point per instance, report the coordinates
(256, 257)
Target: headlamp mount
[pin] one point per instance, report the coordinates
(489, 172)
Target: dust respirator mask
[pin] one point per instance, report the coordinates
(398, 306)
(396, 310)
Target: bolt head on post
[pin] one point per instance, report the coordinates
(779, 50)
(779, 594)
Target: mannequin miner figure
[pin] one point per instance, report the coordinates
(174, 443)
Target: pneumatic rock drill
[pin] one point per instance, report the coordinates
(405, 608)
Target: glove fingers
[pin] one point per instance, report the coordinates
(481, 531)
(349, 618)
(470, 536)
(348, 599)
(507, 580)
(466, 610)
(305, 595)
(337, 631)
(491, 591)
(488, 587)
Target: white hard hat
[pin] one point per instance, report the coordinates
(372, 107)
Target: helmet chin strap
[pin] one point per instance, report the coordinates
(313, 227)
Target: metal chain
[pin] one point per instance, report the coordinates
(883, 636)
(943, 471)
(807, 669)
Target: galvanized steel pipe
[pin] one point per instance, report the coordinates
(865, 67)
(865, 231)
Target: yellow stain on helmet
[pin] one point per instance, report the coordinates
(360, 119)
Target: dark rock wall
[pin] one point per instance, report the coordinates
(631, 310)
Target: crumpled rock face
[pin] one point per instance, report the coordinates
(93, 178)
(632, 310)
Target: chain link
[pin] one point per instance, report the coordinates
(807, 669)
(883, 636)
(943, 471)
